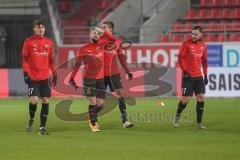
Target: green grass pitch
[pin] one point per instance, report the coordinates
(152, 138)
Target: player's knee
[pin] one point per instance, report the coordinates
(45, 100)
(200, 97)
(99, 101)
(33, 100)
(185, 100)
(119, 93)
(92, 100)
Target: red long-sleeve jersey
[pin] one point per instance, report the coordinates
(192, 56)
(92, 55)
(38, 57)
(112, 53)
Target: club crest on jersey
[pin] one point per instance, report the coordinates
(201, 51)
(99, 55)
(97, 48)
(46, 46)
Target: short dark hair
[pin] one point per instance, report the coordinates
(38, 23)
(110, 24)
(199, 28)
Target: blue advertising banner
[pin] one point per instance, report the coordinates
(215, 55)
(231, 55)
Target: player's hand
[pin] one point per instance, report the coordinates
(130, 76)
(53, 81)
(26, 78)
(205, 80)
(186, 75)
(73, 83)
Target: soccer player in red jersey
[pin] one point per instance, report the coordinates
(192, 57)
(39, 69)
(112, 53)
(92, 55)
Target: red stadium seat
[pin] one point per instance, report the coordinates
(187, 28)
(217, 2)
(227, 13)
(237, 3)
(201, 22)
(235, 26)
(191, 14)
(176, 28)
(236, 13)
(229, 2)
(204, 3)
(221, 38)
(215, 27)
(233, 38)
(215, 13)
(64, 6)
(225, 3)
(204, 13)
(164, 38)
(220, 27)
(210, 28)
(177, 38)
(104, 4)
(211, 38)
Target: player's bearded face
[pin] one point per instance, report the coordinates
(39, 30)
(196, 35)
(94, 36)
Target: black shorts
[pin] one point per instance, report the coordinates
(191, 85)
(94, 87)
(39, 88)
(113, 81)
